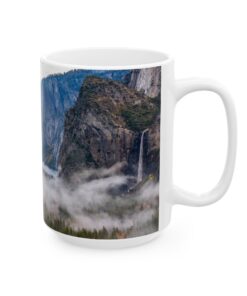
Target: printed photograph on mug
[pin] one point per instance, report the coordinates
(101, 146)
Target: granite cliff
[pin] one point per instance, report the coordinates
(104, 128)
(146, 80)
(59, 94)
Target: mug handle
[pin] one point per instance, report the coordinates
(182, 88)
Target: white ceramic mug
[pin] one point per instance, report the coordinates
(107, 118)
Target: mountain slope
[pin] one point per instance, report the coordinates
(104, 128)
(59, 94)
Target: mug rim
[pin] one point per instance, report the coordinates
(81, 58)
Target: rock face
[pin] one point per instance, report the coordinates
(104, 128)
(146, 80)
(59, 94)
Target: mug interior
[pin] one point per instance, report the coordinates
(103, 58)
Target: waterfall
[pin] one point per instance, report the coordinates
(140, 162)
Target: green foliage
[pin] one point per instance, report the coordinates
(61, 226)
(119, 103)
(156, 101)
(140, 117)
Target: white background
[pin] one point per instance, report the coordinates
(204, 250)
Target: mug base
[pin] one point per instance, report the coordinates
(106, 243)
